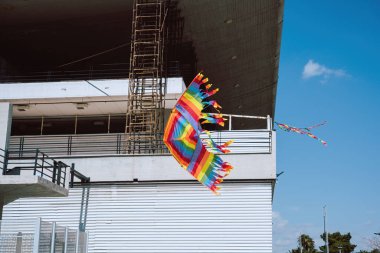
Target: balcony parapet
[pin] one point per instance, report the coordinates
(108, 158)
(104, 158)
(245, 142)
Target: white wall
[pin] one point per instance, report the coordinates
(153, 168)
(165, 167)
(71, 89)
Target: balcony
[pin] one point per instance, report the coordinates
(34, 174)
(80, 145)
(106, 157)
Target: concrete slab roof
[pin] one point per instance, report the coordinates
(15, 187)
(236, 42)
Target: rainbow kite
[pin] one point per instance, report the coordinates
(183, 130)
(304, 130)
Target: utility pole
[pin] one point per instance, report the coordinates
(324, 229)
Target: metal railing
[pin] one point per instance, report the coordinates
(268, 120)
(84, 144)
(76, 174)
(245, 141)
(41, 165)
(3, 161)
(36, 161)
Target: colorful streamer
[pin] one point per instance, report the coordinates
(182, 135)
(304, 130)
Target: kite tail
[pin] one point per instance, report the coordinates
(305, 130)
(316, 138)
(318, 125)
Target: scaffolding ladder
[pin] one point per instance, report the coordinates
(146, 82)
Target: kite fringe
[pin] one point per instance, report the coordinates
(215, 148)
(220, 169)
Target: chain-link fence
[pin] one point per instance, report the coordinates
(17, 236)
(15, 241)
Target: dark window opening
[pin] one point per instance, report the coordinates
(92, 125)
(117, 124)
(26, 126)
(53, 126)
(68, 125)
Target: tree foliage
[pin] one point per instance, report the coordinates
(372, 251)
(337, 240)
(307, 244)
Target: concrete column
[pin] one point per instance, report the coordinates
(5, 124)
(5, 132)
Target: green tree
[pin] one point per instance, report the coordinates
(337, 240)
(307, 243)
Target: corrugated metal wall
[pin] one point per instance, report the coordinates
(163, 217)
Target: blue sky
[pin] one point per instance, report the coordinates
(329, 70)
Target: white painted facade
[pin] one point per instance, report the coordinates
(148, 203)
(60, 98)
(73, 89)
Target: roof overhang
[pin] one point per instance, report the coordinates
(237, 42)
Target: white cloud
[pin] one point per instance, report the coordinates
(285, 234)
(284, 237)
(278, 221)
(313, 69)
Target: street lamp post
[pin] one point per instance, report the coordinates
(324, 229)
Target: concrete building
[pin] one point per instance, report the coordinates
(69, 73)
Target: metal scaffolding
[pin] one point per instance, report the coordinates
(146, 81)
